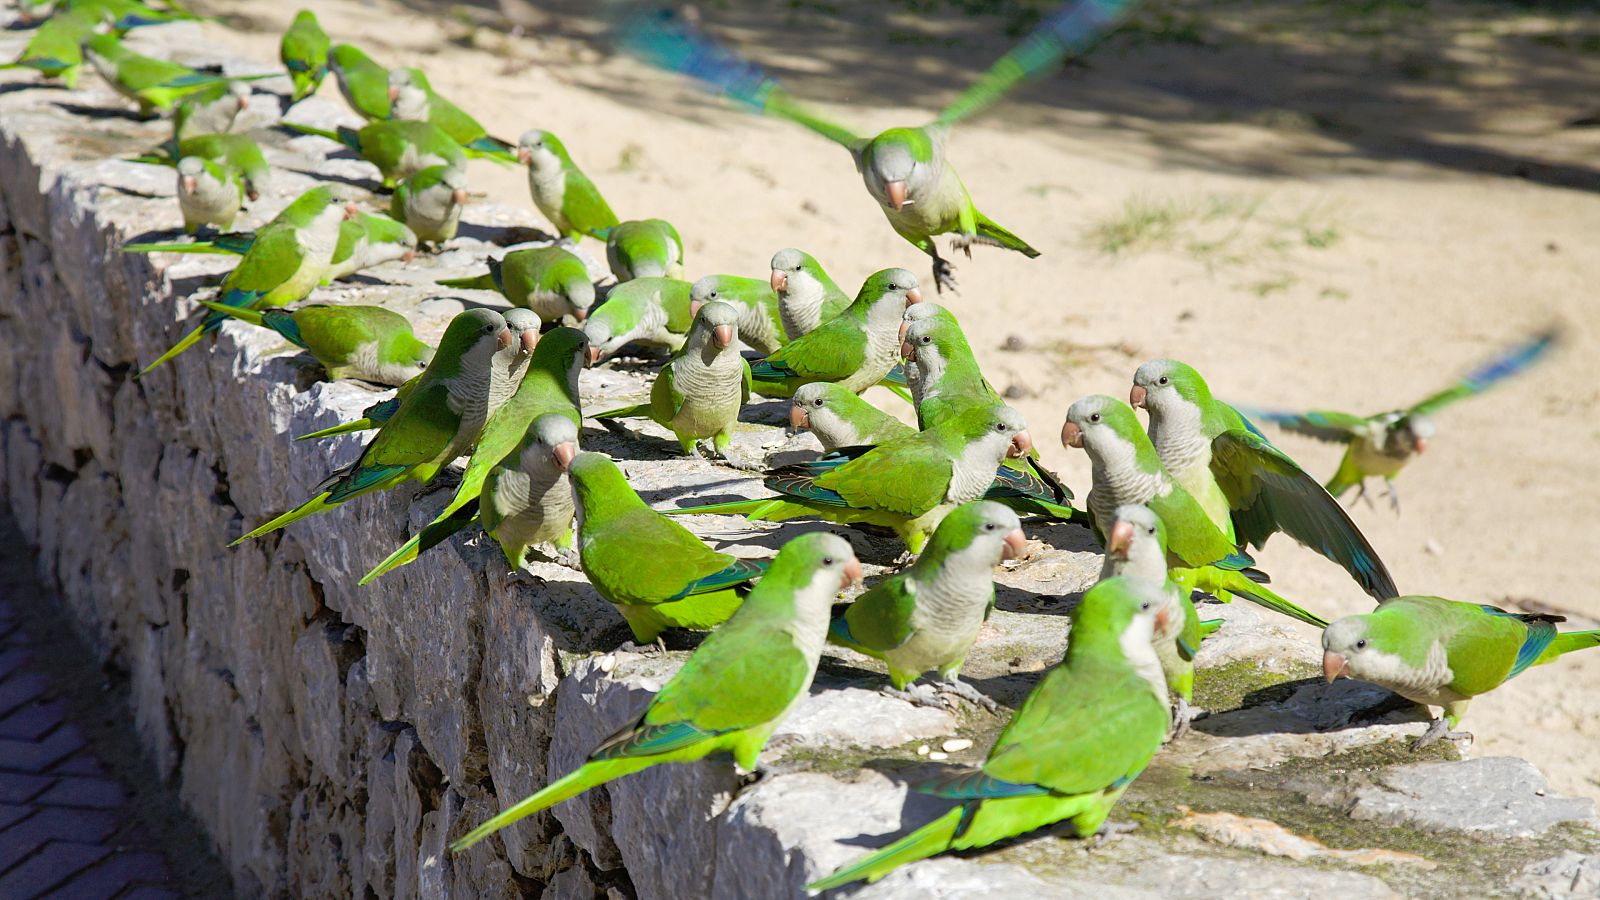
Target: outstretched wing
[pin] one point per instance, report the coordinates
(1510, 362)
(1324, 425)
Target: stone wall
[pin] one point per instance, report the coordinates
(332, 738)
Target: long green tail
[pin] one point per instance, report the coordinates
(929, 840)
(1214, 580)
(180, 247)
(992, 230)
(430, 536)
(1568, 642)
(309, 508)
(361, 424)
(626, 412)
(475, 283)
(771, 509)
(251, 316)
(184, 343)
(586, 776)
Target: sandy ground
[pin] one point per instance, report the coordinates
(1311, 205)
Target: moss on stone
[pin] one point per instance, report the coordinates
(1224, 688)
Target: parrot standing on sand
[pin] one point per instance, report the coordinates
(367, 342)
(304, 53)
(1080, 738)
(363, 82)
(398, 148)
(733, 690)
(760, 327)
(1442, 653)
(562, 192)
(412, 97)
(840, 418)
(208, 194)
(855, 349)
(807, 297)
(648, 310)
(430, 203)
(644, 248)
(551, 281)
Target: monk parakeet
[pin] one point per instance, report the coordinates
(1127, 470)
(760, 327)
(1249, 488)
(412, 97)
(239, 152)
(212, 110)
(286, 260)
(154, 84)
(733, 690)
(656, 572)
(700, 390)
(398, 148)
(363, 82)
(1080, 738)
(548, 385)
(364, 241)
(840, 418)
(1443, 653)
(55, 50)
(926, 617)
(551, 281)
(476, 367)
(366, 342)
(430, 203)
(648, 310)
(1379, 446)
(644, 248)
(562, 192)
(304, 53)
(208, 194)
(855, 349)
(807, 297)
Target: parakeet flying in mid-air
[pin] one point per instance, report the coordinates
(430, 203)
(855, 349)
(1443, 653)
(807, 297)
(1379, 446)
(304, 53)
(208, 194)
(562, 192)
(648, 310)
(398, 148)
(367, 342)
(735, 688)
(1080, 738)
(412, 97)
(841, 418)
(551, 281)
(1249, 488)
(644, 248)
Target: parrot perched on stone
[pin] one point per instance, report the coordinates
(551, 281)
(364, 241)
(239, 152)
(476, 367)
(362, 81)
(398, 148)
(527, 498)
(212, 110)
(1249, 488)
(760, 327)
(1379, 446)
(1081, 737)
(56, 49)
(856, 349)
(840, 418)
(1442, 653)
(733, 690)
(926, 617)
(155, 84)
(367, 342)
(430, 203)
(208, 194)
(121, 15)
(286, 260)
(644, 248)
(562, 192)
(412, 97)
(647, 310)
(702, 387)
(908, 484)
(655, 571)
(548, 385)
(807, 297)
(304, 53)
(1127, 470)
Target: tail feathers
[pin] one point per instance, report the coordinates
(362, 424)
(1213, 579)
(475, 283)
(626, 412)
(491, 149)
(234, 299)
(434, 534)
(586, 776)
(184, 343)
(992, 230)
(180, 247)
(344, 135)
(1568, 642)
(309, 508)
(251, 316)
(897, 376)
(406, 553)
(1208, 627)
(929, 840)
(365, 479)
(899, 390)
(730, 508)
(698, 611)
(283, 322)
(738, 572)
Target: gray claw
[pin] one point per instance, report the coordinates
(1438, 729)
(967, 692)
(918, 695)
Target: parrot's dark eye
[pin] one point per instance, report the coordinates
(1144, 606)
(1149, 531)
(1094, 417)
(988, 526)
(817, 403)
(1361, 644)
(827, 560)
(927, 339)
(999, 426)
(488, 329)
(1163, 380)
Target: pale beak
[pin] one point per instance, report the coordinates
(244, 103)
(1419, 445)
(798, 418)
(913, 297)
(694, 307)
(564, 453)
(594, 355)
(1021, 445)
(530, 339)
(1121, 539)
(350, 211)
(908, 352)
(897, 194)
(1136, 397)
(1334, 665)
(408, 256)
(394, 94)
(580, 314)
(1071, 435)
(1161, 620)
(904, 327)
(188, 184)
(504, 338)
(1016, 541)
(723, 336)
(524, 155)
(780, 281)
(459, 198)
(852, 574)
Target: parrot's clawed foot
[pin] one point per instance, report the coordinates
(965, 243)
(656, 648)
(568, 556)
(1361, 494)
(918, 695)
(944, 276)
(1394, 499)
(1108, 832)
(1183, 716)
(1440, 729)
(524, 578)
(967, 692)
(750, 779)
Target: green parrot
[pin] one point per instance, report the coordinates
(398, 148)
(647, 310)
(1081, 737)
(733, 690)
(551, 281)
(430, 203)
(212, 110)
(759, 326)
(702, 387)
(364, 83)
(124, 15)
(1127, 470)
(286, 260)
(644, 248)
(238, 152)
(840, 418)
(304, 53)
(473, 372)
(655, 571)
(909, 484)
(208, 194)
(1442, 653)
(366, 342)
(926, 617)
(807, 297)
(365, 241)
(1379, 446)
(154, 84)
(527, 498)
(856, 349)
(412, 97)
(1249, 488)
(55, 50)
(548, 385)
(562, 192)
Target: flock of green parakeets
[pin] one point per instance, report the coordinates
(1177, 504)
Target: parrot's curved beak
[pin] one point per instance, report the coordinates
(1334, 665)
(459, 198)
(253, 194)
(530, 340)
(564, 453)
(1136, 397)
(394, 93)
(408, 256)
(524, 155)
(350, 211)
(780, 281)
(798, 419)
(896, 190)
(1016, 542)
(913, 297)
(1120, 540)
(1071, 435)
(1021, 444)
(908, 352)
(1419, 445)
(594, 355)
(580, 313)
(244, 102)
(1162, 618)
(505, 338)
(694, 307)
(722, 336)
(852, 574)
(904, 327)
(188, 184)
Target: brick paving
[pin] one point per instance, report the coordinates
(66, 829)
